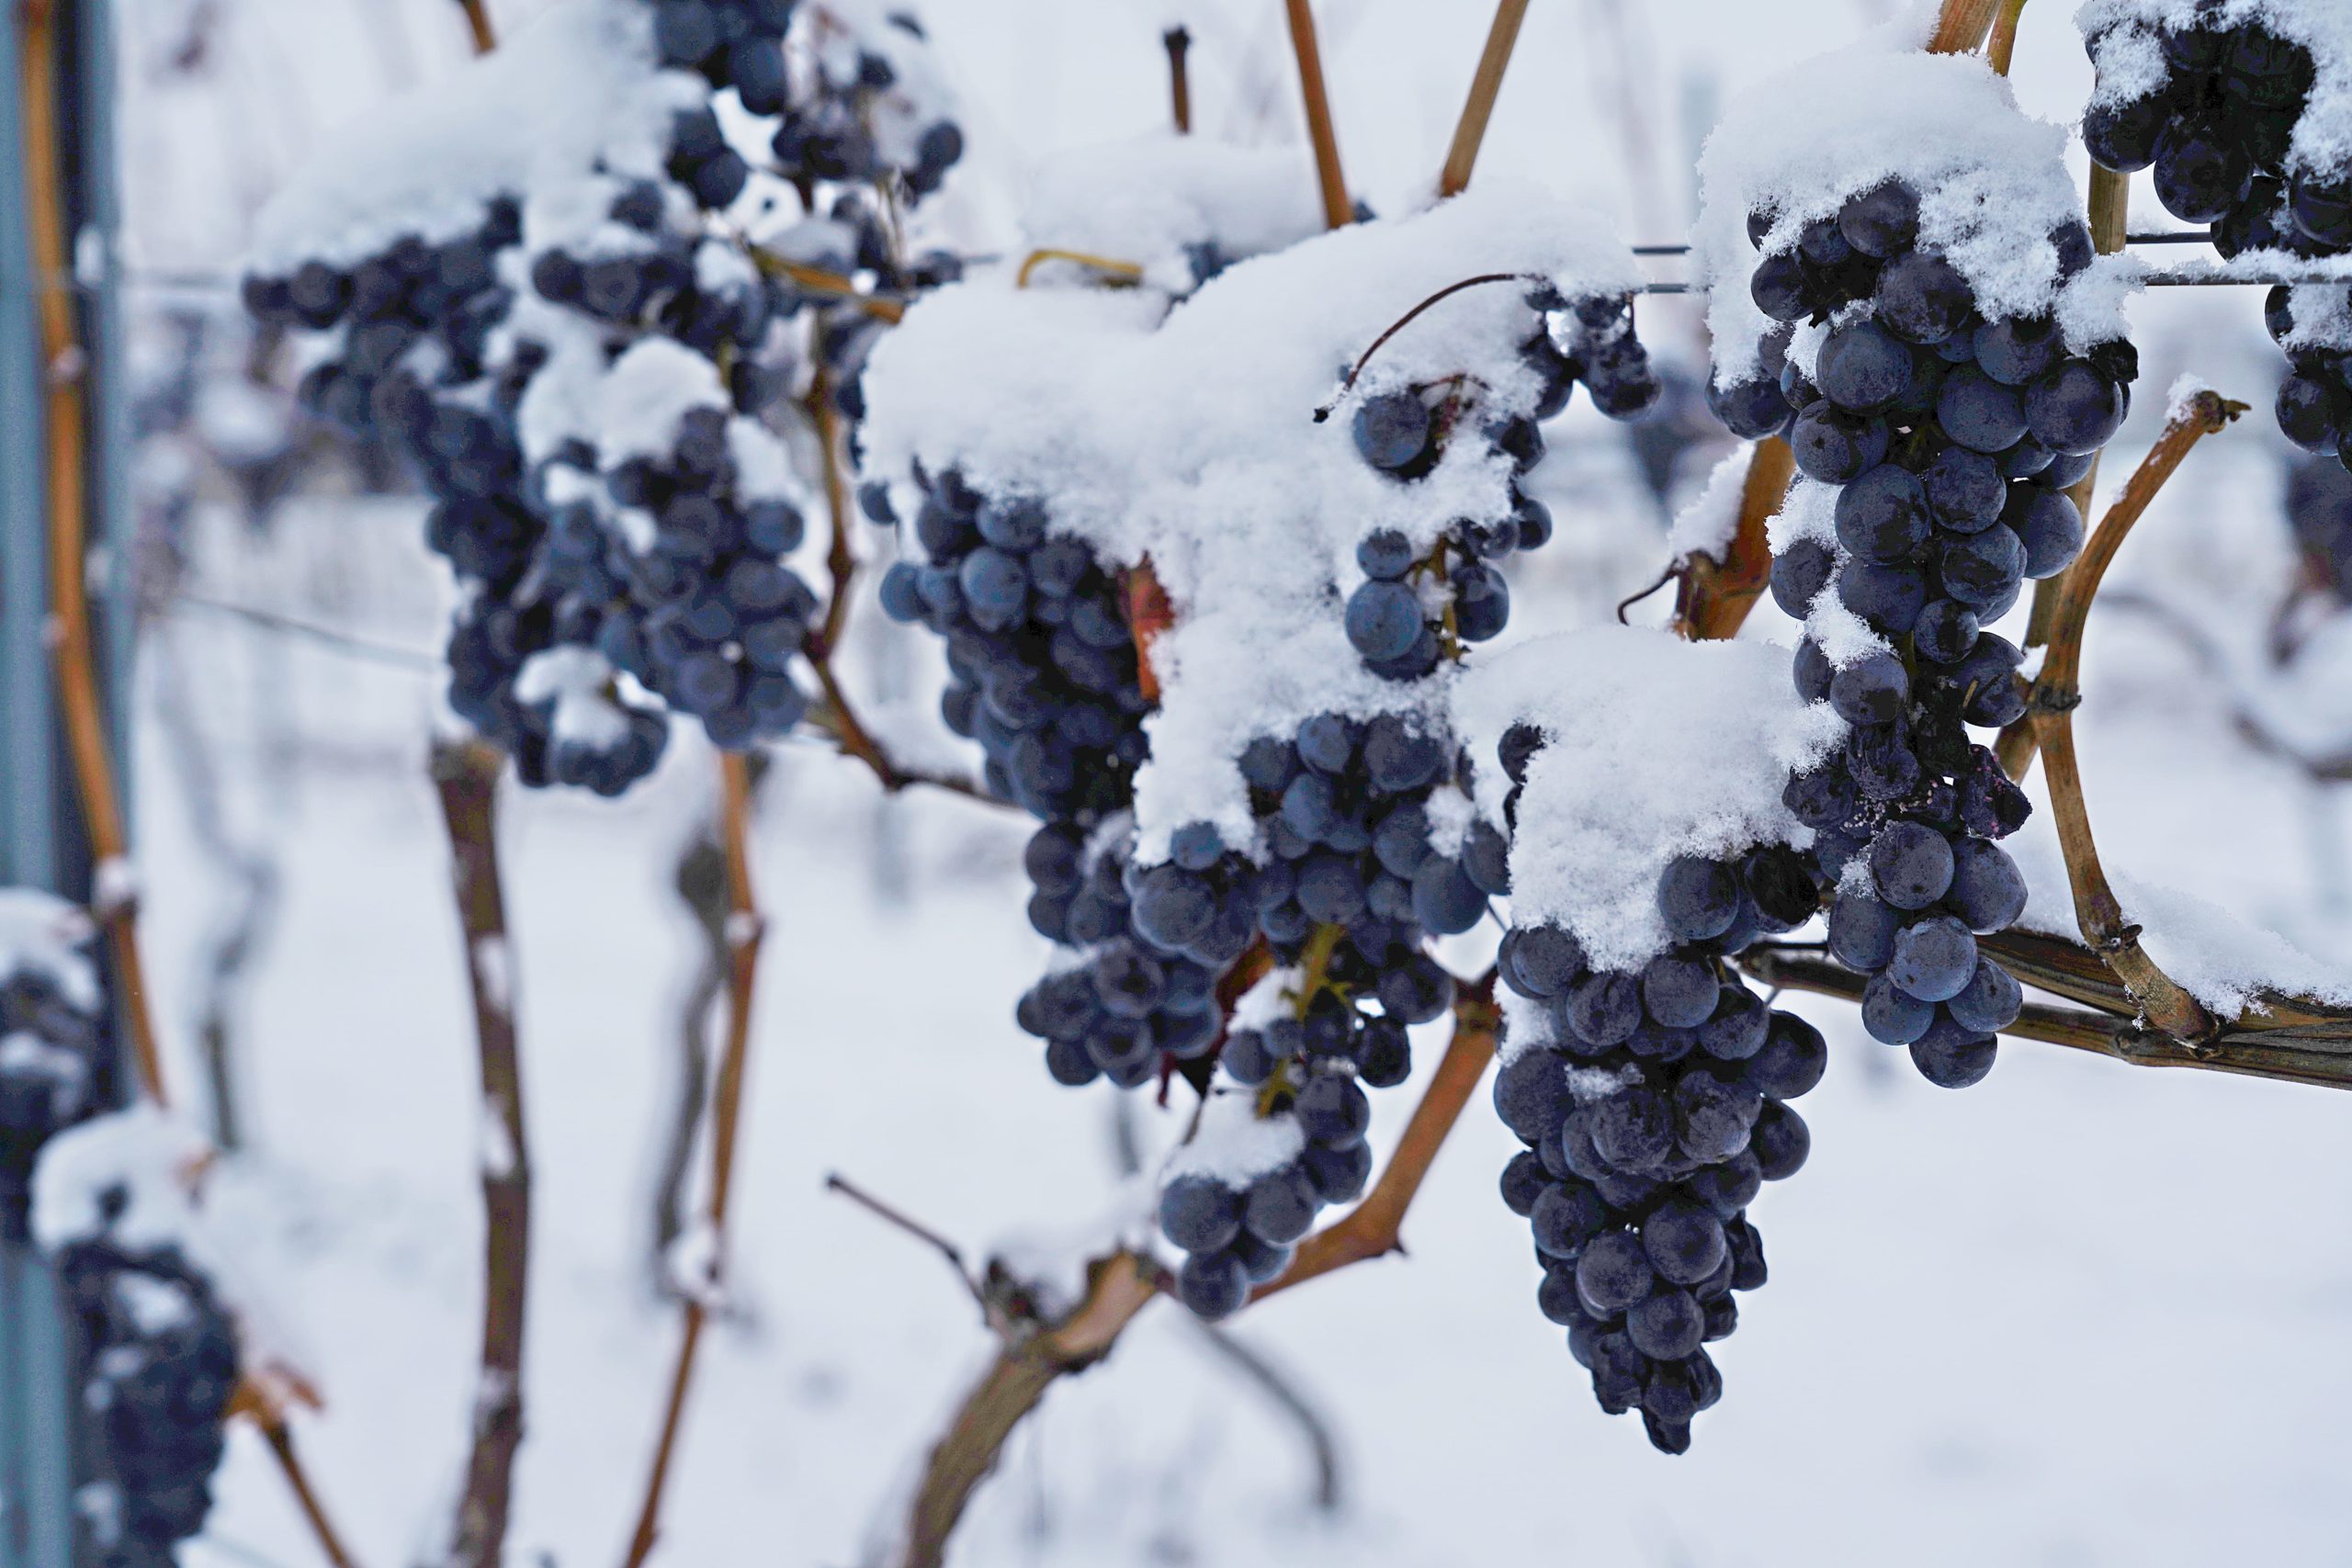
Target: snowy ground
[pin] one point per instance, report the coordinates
(2080, 1315)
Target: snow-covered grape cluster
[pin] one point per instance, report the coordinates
(584, 378)
(160, 1351)
(1942, 440)
(51, 1033)
(1654, 1105)
(2241, 118)
(2318, 509)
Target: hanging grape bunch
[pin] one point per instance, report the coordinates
(1653, 1103)
(51, 1069)
(161, 1356)
(1939, 402)
(2229, 103)
(599, 595)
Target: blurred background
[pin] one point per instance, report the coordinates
(2081, 1314)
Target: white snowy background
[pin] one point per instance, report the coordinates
(2080, 1315)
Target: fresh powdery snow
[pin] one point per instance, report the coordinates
(1233, 1144)
(576, 89)
(1186, 437)
(127, 1176)
(2217, 957)
(1152, 200)
(49, 937)
(1993, 184)
(1655, 748)
(1710, 520)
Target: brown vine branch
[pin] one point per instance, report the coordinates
(1149, 613)
(1120, 1286)
(279, 1435)
(1338, 211)
(1179, 43)
(1470, 131)
(2314, 1050)
(2058, 692)
(1374, 1227)
(75, 655)
(2003, 46)
(465, 774)
(478, 23)
(851, 734)
(1110, 266)
(1716, 595)
(829, 285)
(745, 929)
(1960, 27)
(840, 556)
(2110, 212)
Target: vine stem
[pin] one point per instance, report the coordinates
(840, 556)
(1407, 320)
(74, 657)
(2003, 45)
(2110, 211)
(1470, 131)
(478, 23)
(745, 929)
(1961, 26)
(1179, 43)
(2058, 692)
(2284, 1055)
(1036, 1356)
(465, 774)
(1715, 596)
(1336, 209)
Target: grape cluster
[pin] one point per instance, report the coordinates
(601, 592)
(1949, 440)
(1654, 1105)
(1404, 634)
(160, 1357)
(2319, 508)
(51, 1055)
(2218, 126)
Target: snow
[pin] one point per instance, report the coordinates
(1234, 1145)
(576, 89)
(1810, 512)
(45, 934)
(692, 1266)
(1657, 747)
(1190, 441)
(1146, 200)
(576, 681)
(1993, 184)
(141, 1158)
(499, 1156)
(644, 395)
(1710, 521)
(2219, 958)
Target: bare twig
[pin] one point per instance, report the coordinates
(1110, 266)
(2003, 45)
(700, 879)
(849, 733)
(1961, 28)
(1471, 129)
(75, 658)
(745, 929)
(1179, 43)
(1407, 320)
(890, 1214)
(840, 556)
(279, 1435)
(828, 285)
(1120, 1286)
(478, 23)
(1338, 211)
(1322, 1449)
(466, 775)
(2110, 211)
(2314, 1048)
(1371, 1229)
(1716, 595)
(2058, 692)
